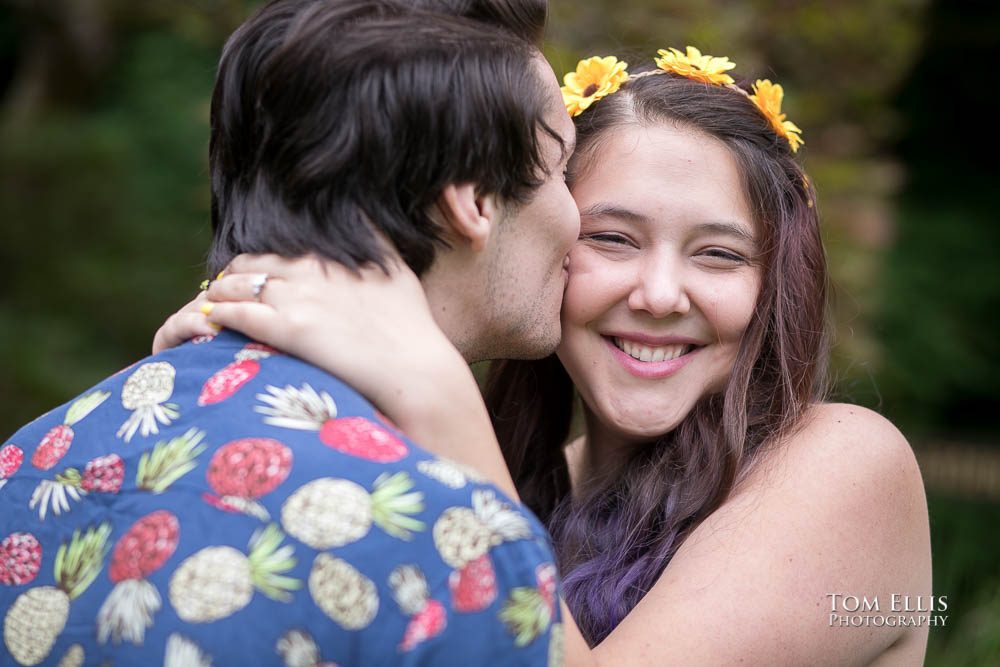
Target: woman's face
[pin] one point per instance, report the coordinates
(662, 282)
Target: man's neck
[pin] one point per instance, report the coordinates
(450, 294)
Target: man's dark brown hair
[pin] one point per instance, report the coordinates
(335, 118)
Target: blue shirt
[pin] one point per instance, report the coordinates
(222, 503)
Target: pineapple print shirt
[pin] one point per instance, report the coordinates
(222, 503)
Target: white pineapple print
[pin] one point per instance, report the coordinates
(297, 648)
(38, 616)
(145, 393)
(304, 409)
(463, 534)
(452, 474)
(216, 582)
(55, 494)
(73, 657)
(344, 594)
(330, 512)
(182, 652)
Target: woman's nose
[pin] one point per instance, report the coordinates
(659, 288)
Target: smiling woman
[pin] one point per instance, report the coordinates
(694, 332)
(714, 502)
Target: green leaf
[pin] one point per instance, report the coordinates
(84, 406)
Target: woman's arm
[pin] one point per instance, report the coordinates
(839, 508)
(374, 331)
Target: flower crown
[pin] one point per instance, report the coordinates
(598, 77)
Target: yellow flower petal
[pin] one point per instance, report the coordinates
(768, 98)
(696, 66)
(594, 78)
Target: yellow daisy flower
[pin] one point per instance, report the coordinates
(768, 97)
(693, 65)
(593, 79)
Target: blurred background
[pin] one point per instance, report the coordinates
(104, 209)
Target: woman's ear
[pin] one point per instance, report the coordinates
(471, 217)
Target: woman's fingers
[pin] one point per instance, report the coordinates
(243, 287)
(254, 320)
(298, 297)
(183, 325)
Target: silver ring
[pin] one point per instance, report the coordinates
(257, 284)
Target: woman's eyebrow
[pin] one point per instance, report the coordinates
(727, 228)
(607, 210)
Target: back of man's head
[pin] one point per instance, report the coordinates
(335, 118)
(524, 18)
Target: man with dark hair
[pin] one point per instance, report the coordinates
(309, 157)
(223, 501)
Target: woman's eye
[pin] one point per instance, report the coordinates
(606, 238)
(727, 255)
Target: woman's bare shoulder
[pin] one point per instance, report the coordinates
(850, 463)
(851, 422)
(847, 445)
(835, 508)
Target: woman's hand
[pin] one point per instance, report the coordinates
(373, 330)
(353, 325)
(185, 324)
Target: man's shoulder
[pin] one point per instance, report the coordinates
(222, 381)
(280, 500)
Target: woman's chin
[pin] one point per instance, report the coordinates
(641, 427)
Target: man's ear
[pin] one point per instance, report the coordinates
(470, 216)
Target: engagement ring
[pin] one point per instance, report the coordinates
(257, 284)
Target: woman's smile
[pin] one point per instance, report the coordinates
(645, 359)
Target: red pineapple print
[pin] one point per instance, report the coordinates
(425, 624)
(104, 474)
(53, 447)
(427, 615)
(309, 410)
(57, 441)
(474, 587)
(11, 458)
(243, 470)
(230, 379)
(133, 601)
(20, 559)
(360, 437)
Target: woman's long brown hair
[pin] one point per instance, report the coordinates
(614, 538)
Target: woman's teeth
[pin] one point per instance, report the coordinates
(652, 354)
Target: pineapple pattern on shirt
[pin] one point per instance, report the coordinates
(223, 503)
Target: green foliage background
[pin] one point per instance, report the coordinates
(104, 205)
